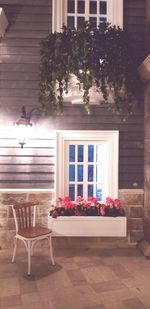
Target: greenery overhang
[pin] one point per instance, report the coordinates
(100, 57)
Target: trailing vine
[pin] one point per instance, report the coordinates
(100, 57)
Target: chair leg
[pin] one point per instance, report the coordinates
(14, 251)
(51, 250)
(29, 256)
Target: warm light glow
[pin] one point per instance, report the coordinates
(23, 129)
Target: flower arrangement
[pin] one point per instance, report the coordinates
(81, 207)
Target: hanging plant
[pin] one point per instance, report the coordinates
(100, 57)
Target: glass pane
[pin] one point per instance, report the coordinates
(98, 153)
(71, 172)
(90, 190)
(98, 192)
(93, 21)
(80, 22)
(72, 192)
(80, 153)
(72, 153)
(80, 190)
(103, 7)
(102, 20)
(90, 172)
(90, 153)
(71, 6)
(80, 173)
(93, 7)
(81, 6)
(70, 22)
(99, 173)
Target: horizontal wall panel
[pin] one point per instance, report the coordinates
(128, 12)
(27, 160)
(27, 151)
(134, 20)
(30, 25)
(33, 143)
(27, 168)
(134, 161)
(130, 153)
(135, 4)
(131, 144)
(135, 184)
(21, 84)
(19, 59)
(26, 185)
(35, 18)
(26, 176)
(8, 42)
(19, 76)
(19, 67)
(25, 9)
(137, 28)
(27, 34)
(26, 2)
(19, 50)
(130, 169)
(30, 93)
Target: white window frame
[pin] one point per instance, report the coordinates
(111, 137)
(114, 13)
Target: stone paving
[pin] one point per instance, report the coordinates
(81, 279)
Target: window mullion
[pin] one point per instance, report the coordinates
(95, 166)
(87, 10)
(85, 179)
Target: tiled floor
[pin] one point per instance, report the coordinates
(84, 278)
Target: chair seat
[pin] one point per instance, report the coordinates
(34, 232)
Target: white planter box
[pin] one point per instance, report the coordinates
(88, 226)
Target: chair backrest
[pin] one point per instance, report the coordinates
(24, 214)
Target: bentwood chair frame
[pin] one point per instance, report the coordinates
(27, 231)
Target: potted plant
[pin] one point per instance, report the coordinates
(87, 218)
(98, 57)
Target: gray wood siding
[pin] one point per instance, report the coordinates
(135, 23)
(34, 166)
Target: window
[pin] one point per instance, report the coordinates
(73, 13)
(87, 164)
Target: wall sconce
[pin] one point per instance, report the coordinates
(23, 125)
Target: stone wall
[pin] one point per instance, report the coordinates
(132, 201)
(7, 226)
(147, 163)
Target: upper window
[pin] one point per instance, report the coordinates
(87, 164)
(74, 13)
(79, 11)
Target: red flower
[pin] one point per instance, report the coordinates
(109, 201)
(102, 209)
(118, 204)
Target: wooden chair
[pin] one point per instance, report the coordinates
(27, 231)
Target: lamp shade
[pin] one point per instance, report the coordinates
(23, 130)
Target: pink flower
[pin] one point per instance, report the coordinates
(79, 199)
(87, 204)
(102, 210)
(92, 199)
(118, 204)
(109, 201)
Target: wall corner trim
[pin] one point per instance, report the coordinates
(144, 69)
(3, 22)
